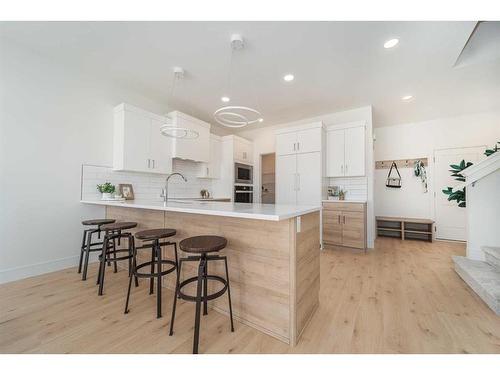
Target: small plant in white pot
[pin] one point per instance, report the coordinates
(107, 190)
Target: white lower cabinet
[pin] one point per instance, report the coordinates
(138, 145)
(298, 178)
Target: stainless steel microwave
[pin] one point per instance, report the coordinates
(243, 174)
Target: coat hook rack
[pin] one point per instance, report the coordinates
(401, 163)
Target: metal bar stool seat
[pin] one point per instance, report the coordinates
(153, 236)
(87, 245)
(113, 232)
(202, 246)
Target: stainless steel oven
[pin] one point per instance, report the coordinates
(243, 174)
(243, 193)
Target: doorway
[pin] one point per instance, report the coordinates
(451, 220)
(268, 178)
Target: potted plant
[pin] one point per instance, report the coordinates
(107, 190)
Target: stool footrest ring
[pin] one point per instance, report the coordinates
(156, 274)
(209, 297)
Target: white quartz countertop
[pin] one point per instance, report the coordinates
(344, 201)
(259, 211)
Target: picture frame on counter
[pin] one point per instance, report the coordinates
(126, 191)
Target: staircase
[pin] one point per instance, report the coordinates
(482, 277)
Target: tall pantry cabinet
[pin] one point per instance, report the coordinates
(299, 165)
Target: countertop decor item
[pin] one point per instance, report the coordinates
(342, 194)
(205, 194)
(126, 191)
(107, 190)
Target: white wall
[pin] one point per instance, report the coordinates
(484, 215)
(52, 119)
(419, 140)
(264, 143)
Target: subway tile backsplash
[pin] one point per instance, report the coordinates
(356, 187)
(147, 187)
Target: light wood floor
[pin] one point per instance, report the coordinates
(403, 297)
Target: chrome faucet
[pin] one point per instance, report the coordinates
(164, 191)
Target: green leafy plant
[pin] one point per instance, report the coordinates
(457, 195)
(106, 188)
(489, 152)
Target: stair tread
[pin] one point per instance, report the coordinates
(482, 277)
(493, 251)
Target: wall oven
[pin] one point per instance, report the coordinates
(243, 174)
(243, 193)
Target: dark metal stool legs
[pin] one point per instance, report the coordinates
(202, 295)
(202, 268)
(155, 272)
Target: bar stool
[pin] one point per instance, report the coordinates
(113, 231)
(202, 245)
(87, 245)
(154, 235)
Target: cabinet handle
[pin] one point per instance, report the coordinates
(344, 218)
(153, 163)
(294, 144)
(149, 163)
(298, 146)
(342, 169)
(346, 169)
(339, 218)
(207, 171)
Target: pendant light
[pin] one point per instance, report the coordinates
(169, 129)
(236, 116)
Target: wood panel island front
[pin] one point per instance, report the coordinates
(273, 256)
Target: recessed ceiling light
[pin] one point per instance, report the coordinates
(288, 77)
(261, 120)
(391, 43)
(225, 99)
(407, 98)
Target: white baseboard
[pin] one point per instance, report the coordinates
(18, 273)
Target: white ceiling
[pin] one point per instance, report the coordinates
(337, 65)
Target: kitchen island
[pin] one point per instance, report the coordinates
(273, 256)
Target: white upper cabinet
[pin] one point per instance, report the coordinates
(299, 140)
(286, 143)
(335, 153)
(309, 140)
(212, 168)
(355, 151)
(345, 151)
(137, 142)
(197, 149)
(242, 150)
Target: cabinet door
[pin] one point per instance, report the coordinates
(197, 149)
(286, 179)
(215, 158)
(309, 178)
(136, 142)
(353, 229)
(309, 140)
(243, 152)
(335, 153)
(332, 226)
(161, 149)
(354, 164)
(286, 143)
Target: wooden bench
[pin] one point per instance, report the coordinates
(405, 228)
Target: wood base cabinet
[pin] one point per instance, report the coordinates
(344, 224)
